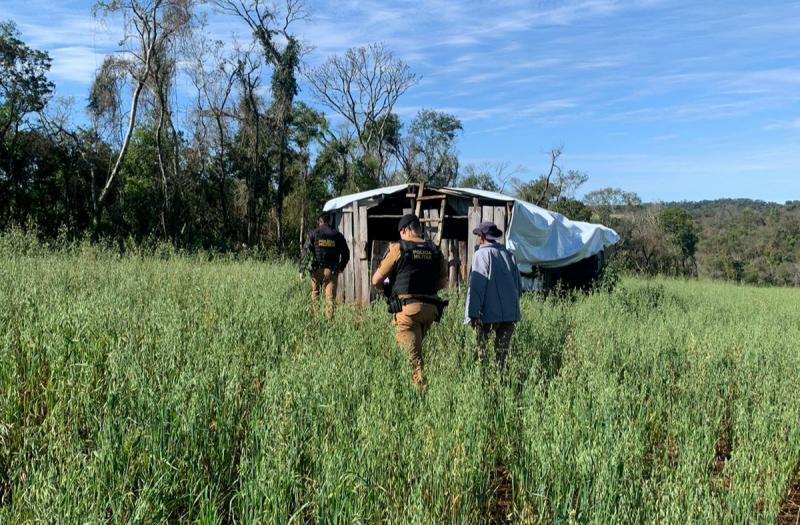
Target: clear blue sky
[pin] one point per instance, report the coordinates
(675, 100)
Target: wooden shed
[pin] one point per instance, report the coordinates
(368, 222)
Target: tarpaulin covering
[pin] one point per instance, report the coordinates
(536, 236)
(550, 240)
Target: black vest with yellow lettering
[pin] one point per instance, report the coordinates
(326, 251)
(418, 269)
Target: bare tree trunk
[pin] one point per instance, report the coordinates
(162, 170)
(251, 190)
(125, 143)
(554, 155)
(221, 159)
(280, 195)
(303, 200)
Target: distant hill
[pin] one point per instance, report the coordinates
(710, 207)
(743, 240)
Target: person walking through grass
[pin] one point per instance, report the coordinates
(492, 306)
(329, 255)
(417, 271)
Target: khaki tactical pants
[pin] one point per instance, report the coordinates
(502, 340)
(410, 327)
(323, 278)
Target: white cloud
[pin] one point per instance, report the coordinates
(782, 124)
(74, 64)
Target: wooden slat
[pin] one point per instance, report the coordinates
(349, 293)
(363, 275)
(355, 255)
(473, 222)
(432, 197)
(420, 192)
(441, 224)
(339, 222)
(434, 225)
(390, 216)
(500, 221)
(487, 214)
(462, 256)
(453, 264)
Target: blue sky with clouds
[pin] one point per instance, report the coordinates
(673, 99)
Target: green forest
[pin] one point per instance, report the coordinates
(246, 168)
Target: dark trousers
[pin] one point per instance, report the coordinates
(502, 333)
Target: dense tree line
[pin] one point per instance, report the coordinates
(739, 240)
(245, 164)
(242, 162)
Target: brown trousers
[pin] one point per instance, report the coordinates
(410, 327)
(323, 278)
(502, 340)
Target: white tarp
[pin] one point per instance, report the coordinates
(545, 238)
(536, 236)
(550, 240)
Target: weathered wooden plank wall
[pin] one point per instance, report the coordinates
(474, 218)
(349, 272)
(355, 289)
(339, 222)
(363, 275)
(354, 282)
(500, 220)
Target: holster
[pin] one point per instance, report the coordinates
(394, 304)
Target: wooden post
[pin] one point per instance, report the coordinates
(487, 214)
(419, 194)
(462, 256)
(473, 221)
(440, 233)
(363, 276)
(339, 224)
(434, 225)
(452, 264)
(500, 220)
(349, 272)
(354, 254)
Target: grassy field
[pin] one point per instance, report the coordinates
(144, 390)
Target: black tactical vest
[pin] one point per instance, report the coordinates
(418, 269)
(326, 249)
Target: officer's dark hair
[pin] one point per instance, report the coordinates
(325, 217)
(410, 221)
(415, 225)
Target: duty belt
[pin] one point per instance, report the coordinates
(415, 300)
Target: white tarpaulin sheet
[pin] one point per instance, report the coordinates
(550, 240)
(536, 236)
(545, 238)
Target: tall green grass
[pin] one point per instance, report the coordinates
(146, 389)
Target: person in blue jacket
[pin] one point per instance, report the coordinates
(492, 306)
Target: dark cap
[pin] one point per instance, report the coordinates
(409, 219)
(488, 230)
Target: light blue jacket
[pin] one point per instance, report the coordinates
(494, 286)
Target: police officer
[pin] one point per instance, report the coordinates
(330, 256)
(417, 271)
